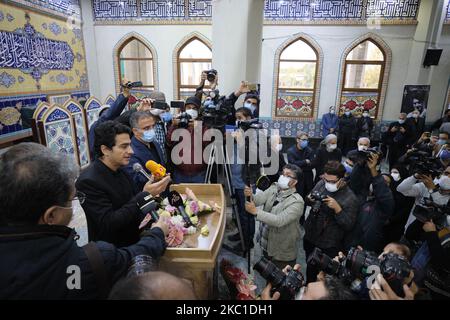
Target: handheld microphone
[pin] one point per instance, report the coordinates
(176, 201)
(138, 168)
(156, 169)
(147, 205)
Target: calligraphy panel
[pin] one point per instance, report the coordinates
(393, 9)
(114, 9)
(39, 54)
(161, 9)
(200, 8)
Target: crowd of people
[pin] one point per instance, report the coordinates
(336, 193)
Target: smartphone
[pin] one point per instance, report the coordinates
(252, 86)
(177, 104)
(159, 105)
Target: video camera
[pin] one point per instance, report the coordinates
(288, 285)
(247, 124)
(130, 85)
(429, 210)
(214, 113)
(355, 266)
(421, 163)
(361, 156)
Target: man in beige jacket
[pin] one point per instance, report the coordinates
(279, 232)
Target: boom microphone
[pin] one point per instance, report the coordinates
(157, 170)
(138, 168)
(176, 201)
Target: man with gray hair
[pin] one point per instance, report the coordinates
(41, 257)
(145, 146)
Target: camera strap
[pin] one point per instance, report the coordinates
(96, 261)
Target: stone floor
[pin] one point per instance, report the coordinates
(79, 224)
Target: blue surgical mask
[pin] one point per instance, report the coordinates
(347, 113)
(445, 155)
(441, 142)
(149, 135)
(166, 116)
(303, 144)
(250, 106)
(208, 104)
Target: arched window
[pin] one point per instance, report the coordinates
(136, 63)
(194, 57)
(297, 77)
(363, 78)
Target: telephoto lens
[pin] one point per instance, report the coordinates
(142, 264)
(287, 285)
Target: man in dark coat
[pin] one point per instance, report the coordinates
(40, 257)
(364, 125)
(111, 206)
(302, 156)
(397, 137)
(347, 131)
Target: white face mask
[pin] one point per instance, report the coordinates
(331, 187)
(362, 148)
(365, 114)
(331, 147)
(395, 176)
(193, 113)
(279, 147)
(283, 182)
(436, 181)
(156, 112)
(444, 183)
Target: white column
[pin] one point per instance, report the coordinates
(90, 49)
(237, 41)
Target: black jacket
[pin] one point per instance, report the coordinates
(299, 157)
(326, 229)
(373, 214)
(347, 125)
(364, 126)
(35, 264)
(397, 138)
(322, 157)
(111, 204)
(417, 127)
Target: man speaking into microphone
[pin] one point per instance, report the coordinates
(111, 204)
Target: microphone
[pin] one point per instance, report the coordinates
(138, 168)
(157, 170)
(176, 201)
(147, 205)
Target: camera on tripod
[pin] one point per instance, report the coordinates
(357, 263)
(288, 285)
(429, 210)
(215, 113)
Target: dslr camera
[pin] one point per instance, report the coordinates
(130, 85)
(318, 198)
(288, 285)
(214, 113)
(247, 124)
(355, 266)
(429, 210)
(421, 163)
(184, 120)
(211, 74)
(361, 156)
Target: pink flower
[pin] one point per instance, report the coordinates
(194, 207)
(170, 209)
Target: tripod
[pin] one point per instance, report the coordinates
(227, 170)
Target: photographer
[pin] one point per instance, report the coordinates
(302, 155)
(251, 101)
(38, 250)
(279, 232)
(374, 212)
(325, 288)
(111, 206)
(336, 215)
(144, 145)
(213, 79)
(421, 186)
(189, 171)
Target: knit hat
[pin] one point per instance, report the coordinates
(194, 100)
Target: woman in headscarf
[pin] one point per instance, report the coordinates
(327, 151)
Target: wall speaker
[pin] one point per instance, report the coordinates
(432, 57)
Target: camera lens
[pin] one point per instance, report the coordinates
(142, 264)
(269, 271)
(323, 262)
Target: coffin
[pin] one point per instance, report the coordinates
(198, 260)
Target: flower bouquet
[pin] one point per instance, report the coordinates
(240, 285)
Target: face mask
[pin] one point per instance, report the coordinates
(362, 148)
(331, 187)
(166, 116)
(283, 182)
(395, 176)
(332, 111)
(444, 183)
(347, 113)
(415, 115)
(250, 106)
(193, 113)
(348, 168)
(401, 121)
(441, 142)
(208, 104)
(436, 181)
(279, 147)
(445, 155)
(365, 114)
(331, 147)
(149, 135)
(156, 112)
(303, 144)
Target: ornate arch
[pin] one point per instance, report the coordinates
(188, 38)
(119, 46)
(318, 76)
(382, 45)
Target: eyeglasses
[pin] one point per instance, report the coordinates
(335, 181)
(80, 196)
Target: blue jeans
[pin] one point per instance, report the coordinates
(179, 177)
(247, 219)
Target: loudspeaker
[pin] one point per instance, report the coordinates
(432, 57)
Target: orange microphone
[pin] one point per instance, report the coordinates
(157, 170)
